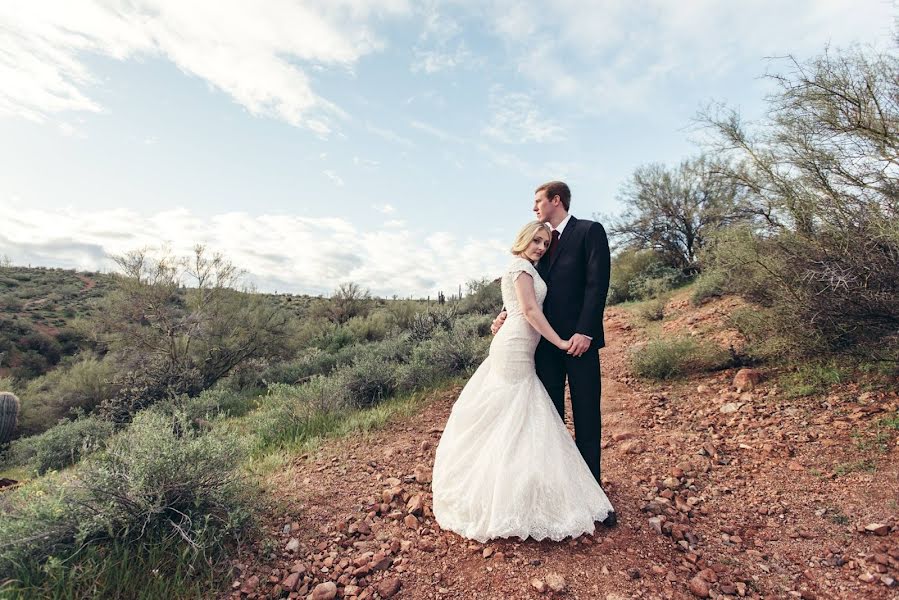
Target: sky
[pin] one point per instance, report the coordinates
(391, 143)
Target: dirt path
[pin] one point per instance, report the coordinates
(89, 283)
(711, 503)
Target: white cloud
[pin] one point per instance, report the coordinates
(611, 56)
(438, 133)
(384, 208)
(389, 135)
(333, 177)
(365, 163)
(516, 119)
(280, 252)
(250, 51)
(442, 59)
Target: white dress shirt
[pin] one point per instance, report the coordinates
(562, 225)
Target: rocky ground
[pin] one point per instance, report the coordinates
(724, 487)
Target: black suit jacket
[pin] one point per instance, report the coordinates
(577, 279)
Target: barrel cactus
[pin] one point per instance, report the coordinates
(9, 415)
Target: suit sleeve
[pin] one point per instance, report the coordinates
(598, 267)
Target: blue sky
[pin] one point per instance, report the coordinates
(391, 143)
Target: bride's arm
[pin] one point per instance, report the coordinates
(527, 298)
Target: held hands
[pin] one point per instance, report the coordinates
(565, 345)
(578, 344)
(498, 322)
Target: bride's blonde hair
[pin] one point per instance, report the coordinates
(527, 235)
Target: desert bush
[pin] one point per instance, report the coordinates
(370, 328)
(426, 323)
(820, 175)
(767, 337)
(484, 297)
(652, 310)
(159, 481)
(368, 380)
(60, 446)
(671, 358)
(37, 521)
(629, 269)
(656, 281)
(288, 413)
(165, 476)
(403, 312)
(709, 284)
(457, 351)
(189, 338)
(335, 339)
(418, 373)
(81, 386)
(348, 300)
(211, 404)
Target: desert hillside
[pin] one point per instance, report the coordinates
(737, 483)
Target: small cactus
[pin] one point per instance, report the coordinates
(9, 415)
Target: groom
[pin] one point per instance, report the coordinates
(576, 271)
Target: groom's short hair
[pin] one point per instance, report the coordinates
(557, 188)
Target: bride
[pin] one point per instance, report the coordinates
(506, 465)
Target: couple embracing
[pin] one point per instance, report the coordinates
(506, 465)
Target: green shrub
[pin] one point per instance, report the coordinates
(37, 521)
(212, 404)
(335, 338)
(288, 413)
(425, 324)
(457, 351)
(484, 297)
(402, 312)
(671, 358)
(639, 275)
(163, 475)
(709, 284)
(81, 386)
(368, 380)
(766, 338)
(60, 446)
(160, 481)
(418, 373)
(812, 378)
(655, 281)
(370, 328)
(652, 310)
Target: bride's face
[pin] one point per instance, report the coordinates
(538, 246)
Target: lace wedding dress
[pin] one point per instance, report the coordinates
(506, 465)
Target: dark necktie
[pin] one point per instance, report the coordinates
(554, 244)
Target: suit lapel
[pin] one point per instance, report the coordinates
(563, 239)
(543, 266)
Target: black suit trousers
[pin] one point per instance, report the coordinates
(553, 366)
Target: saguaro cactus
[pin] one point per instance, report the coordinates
(9, 415)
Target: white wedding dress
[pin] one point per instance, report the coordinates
(506, 465)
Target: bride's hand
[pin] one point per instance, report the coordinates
(565, 345)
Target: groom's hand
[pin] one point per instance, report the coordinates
(579, 344)
(498, 322)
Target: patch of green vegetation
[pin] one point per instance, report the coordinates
(859, 466)
(812, 378)
(891, 422)
(839, 518)
(669, 358)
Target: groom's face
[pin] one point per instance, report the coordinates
(545, 208)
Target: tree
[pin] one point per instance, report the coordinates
(172, 339)
(673, 211)
(348, 300)
(822, 175)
